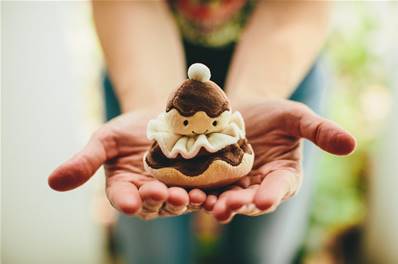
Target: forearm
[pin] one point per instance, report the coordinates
(277, 48)
(142, 50)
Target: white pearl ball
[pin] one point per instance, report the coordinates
(199, 72)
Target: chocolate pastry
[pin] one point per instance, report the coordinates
(198, 140)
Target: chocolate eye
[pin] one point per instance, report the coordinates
(215, 123)
(185, 122)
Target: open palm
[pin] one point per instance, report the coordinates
(275, 129)
(120, 146)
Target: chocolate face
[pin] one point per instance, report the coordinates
(231, 154)
(194, 96)
(199, 123)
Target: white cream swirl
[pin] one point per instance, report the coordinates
(188, 147)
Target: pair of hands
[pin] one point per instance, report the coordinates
(274, 129)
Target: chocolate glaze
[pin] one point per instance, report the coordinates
(194, 96)
(231, 154)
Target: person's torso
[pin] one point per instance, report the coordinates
(211, 23)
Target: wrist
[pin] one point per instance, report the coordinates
(241, 102)
(127, 107)
(132, 102)
(248, 90)
(137, 96)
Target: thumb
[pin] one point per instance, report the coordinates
(324, 133)
(84, 164)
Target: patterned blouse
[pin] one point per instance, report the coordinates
(211, 23)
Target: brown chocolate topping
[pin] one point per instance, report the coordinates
(231, 154)
(194, 96)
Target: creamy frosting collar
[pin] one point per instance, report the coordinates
(188, 147)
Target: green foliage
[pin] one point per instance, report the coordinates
(357, 69)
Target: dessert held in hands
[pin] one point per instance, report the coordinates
(198, 141)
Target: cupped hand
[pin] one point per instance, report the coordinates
(275, 130)
(120, 146)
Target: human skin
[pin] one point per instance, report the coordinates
(144, 73)
(275, 136)
(277, 48)
(119, 146)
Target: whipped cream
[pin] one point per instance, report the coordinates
(173, 144)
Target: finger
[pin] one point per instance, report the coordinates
(146, 215)
(275, 187)
(125, 197)
(229, 219)
(324, 133)
(210, 202)
(244, 182)
(239, 198)
(250, 210)
(177, 201)
(83, 165)
(196, 198)
(153, 195)
(220, 211)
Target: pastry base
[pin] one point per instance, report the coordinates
(219, 173)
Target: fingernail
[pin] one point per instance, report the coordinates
(195, 206)
(152, 205)
(174, 209)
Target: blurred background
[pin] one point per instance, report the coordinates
(51, 103)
